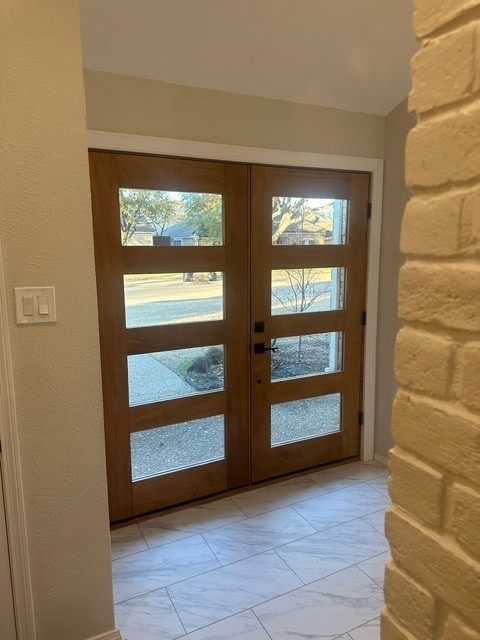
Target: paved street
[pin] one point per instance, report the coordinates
(150, 302)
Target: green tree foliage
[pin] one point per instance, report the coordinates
(143, 206)
(203, 212)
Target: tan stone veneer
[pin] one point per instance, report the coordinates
(432, 587)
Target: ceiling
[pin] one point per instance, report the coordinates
(346, 54)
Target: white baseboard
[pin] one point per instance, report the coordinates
(114, 634)
(381, 459)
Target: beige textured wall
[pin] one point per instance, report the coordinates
(433, 583)
(45, 225)
(395, 195)
(148, 107)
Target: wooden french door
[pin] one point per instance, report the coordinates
(230, 307)
(167, 314)
(308, 247)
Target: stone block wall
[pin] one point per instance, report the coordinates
(432, 587)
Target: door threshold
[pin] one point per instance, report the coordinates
(229, 493)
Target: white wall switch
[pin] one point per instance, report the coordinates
(35, 305)
(42, 305)
(28, 305)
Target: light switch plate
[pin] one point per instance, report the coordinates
(35, 293)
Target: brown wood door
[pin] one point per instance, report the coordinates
(171, 250)
(308, 247)
(230, 305)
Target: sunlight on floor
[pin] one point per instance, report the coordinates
(301, 558)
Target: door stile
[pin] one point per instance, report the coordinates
(236, 309)
(260, 292)
(108, 264)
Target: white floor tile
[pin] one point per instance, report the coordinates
(126, 541)
(375, 567)
(148, 617)
(323, 609)
(368, 631)
(313, 528)
(277, 495)
(257, 534)
(209, 598)
(340, 506)
(376, 520)
(155, 568)
(181, 524)
(380, 484)
(243, 626)
(332, 550)
(347, 475)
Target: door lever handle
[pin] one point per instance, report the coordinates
(259, 348)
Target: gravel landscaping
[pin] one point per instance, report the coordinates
(187, 444)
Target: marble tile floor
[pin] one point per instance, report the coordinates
(302, 558)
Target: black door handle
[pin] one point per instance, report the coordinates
(259, 348)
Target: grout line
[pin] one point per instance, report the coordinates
(139, 595)
(204, 573)
(313, 581)
(239, 507)
(211, 624)
(335, 526)
(129, 555)
(345, 633)
(380, 586)
(164, 544)
(339, 524)
(178, 615)
(365, 623)
(260, 622)
(327, 575)
(196, 533)
(270, 548)
(291, 569)
(385, 495)
(141, 532)
(371, 525)
(213, 552)
(349, 486)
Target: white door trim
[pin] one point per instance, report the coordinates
(12, 481)
(212, 151)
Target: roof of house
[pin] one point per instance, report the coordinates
(180, 230)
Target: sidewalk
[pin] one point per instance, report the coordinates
(151, 381)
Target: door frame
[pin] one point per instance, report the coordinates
(7, 619)
(110, 141)
(12, 481)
